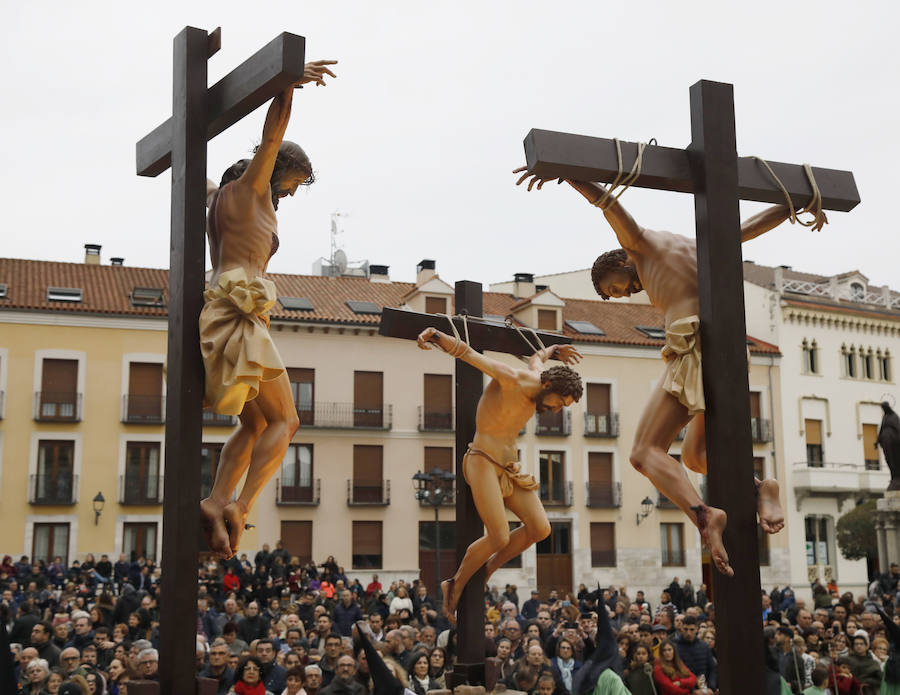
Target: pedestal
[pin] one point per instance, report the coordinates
(887, 516)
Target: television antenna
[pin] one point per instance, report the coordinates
(338, 257)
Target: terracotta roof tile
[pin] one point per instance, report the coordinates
(106, 290)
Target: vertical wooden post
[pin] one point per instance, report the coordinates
(470, 611)
(181, 521)
(713, 156)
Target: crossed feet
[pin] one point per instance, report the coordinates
(223, 526)
(711, 522)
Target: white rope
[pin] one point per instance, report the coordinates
(537, 338)
(814, 206)
(459, 346)
(607, 199)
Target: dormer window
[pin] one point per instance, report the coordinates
(435, 305)
(857, 292)
(546, 320)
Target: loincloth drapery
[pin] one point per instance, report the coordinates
(237, 350)
(509, 475)
(684, 373)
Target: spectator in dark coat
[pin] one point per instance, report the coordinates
(530, 607)
(218, 667)
(273, 675)
(253, 626)
(40, 640)
(346, 613)
(696, 654)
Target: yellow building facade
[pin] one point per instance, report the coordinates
(82, 349)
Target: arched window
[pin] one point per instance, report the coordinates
(810, 357)
(884, 366)
(867, 363)
(857, 292)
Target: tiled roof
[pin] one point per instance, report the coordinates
(106, 290)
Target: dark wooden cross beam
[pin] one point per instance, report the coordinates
(711, 170)
(198, 114)
(396, 323)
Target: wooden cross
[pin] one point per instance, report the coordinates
(199, 113)
(711, 170)
(469, 380)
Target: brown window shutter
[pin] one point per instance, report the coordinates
(603, 544)
(440, 457)
(145, 379)
(598, 400)
(298, 375)
(546, 320)
(367, 538)
(368, 390)
(438, 393)
(754, 404)
(367, 464)
(297, 539)
(814, 432)
(870, 435)
(60, 376)
(436, 305)
(600, 468)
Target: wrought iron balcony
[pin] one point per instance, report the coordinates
(213, 419)
(143, 410)
(59, 489)
(760, 430)
(309, 495)
(51, 406)
(601, 496)
(556, 495)
(376, 494)
(346, 416)
(553, 424)
(135, 490)
(601, 424)
(663, 502)
(439, 421)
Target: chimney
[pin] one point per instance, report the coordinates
(523, 285)
(378, 273)
(117, 260)
(425, 271)
(92, 254)
(779, 279)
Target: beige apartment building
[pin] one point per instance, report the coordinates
(82, 401)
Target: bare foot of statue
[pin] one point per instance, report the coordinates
(768, 506)
(214, 528)
(449, 604)
(235, 516)
(711, 524)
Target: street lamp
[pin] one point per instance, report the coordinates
(646, 508)
(435, 488)
(98, 503)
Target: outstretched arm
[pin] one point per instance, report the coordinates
(629, 233)
(494, 369)
(259, 173)
(763, 221)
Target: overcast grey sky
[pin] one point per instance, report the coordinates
(417, 136)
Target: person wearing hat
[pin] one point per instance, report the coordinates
(863, 665)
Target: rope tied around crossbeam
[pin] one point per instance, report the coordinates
(537, 339)
(608, 197)
(814, 206)
(459, 346)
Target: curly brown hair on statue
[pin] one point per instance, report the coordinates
(563, 381)
(234, 172)
(617, 259)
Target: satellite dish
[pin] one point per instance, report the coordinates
(340, 261)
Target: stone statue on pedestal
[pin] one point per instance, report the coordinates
(889, 441)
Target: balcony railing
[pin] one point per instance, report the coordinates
(213, 419)
(663, 502)
(556, 495)
(553, 424)
(57, 407)
(442, 421)
(309, 495)
(136, 490)
(368, 493)
(143, 410)
(873, 464)
(601, 496)
(760, 430)
(58, 489)
(601, 424)
(346, 416)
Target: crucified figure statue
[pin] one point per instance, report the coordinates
(665, 266)
(490, 465)
(244, 372)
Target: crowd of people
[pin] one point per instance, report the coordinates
(273, 625)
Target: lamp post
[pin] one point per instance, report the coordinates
(435, 487)
(646, 508)
(98, 503)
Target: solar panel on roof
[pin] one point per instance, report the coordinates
(63, 294)
(651, 332)
(4, 290)
(585, 328)
(147, 296)
(360, 307)
(296, 303)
